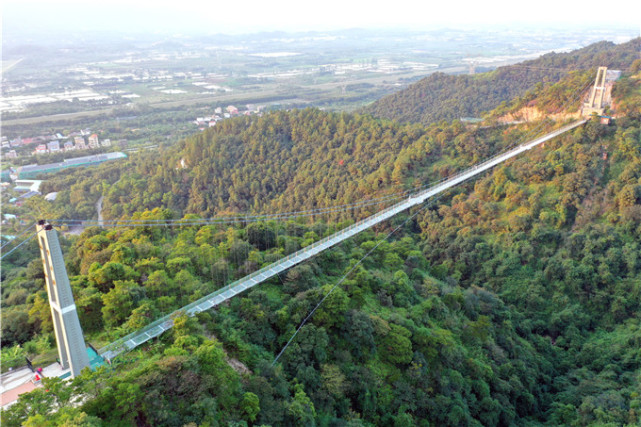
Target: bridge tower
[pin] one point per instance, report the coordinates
(72, 350)
(595, 103)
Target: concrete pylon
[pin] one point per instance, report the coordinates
(72, 350)
(595, 103)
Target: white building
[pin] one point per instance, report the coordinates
(79, 141)
(94, 142)
(53, 146)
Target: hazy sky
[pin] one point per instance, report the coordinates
(242, 16)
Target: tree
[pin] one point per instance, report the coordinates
(40, 313)
(332, 310)
(49, 405)
(250, 406)
(66, 417)
(261, 236)
(301, 409)
(224, 380)
(104, 277)
(395, 346)
(159, 283)
(120, 301)
(142, 315)
(300, 278)
(333, 380)
(16, 327)
(359, 332)
(90, 304)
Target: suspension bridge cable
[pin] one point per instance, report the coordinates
(580, 91)
(248, 218)
(240, 217)
(305, 213)
(252, 218)
(277, 216)
(17, 247)
(530, 67)
(18, 236)
(222, 294)
(208, 221)
(342, 279)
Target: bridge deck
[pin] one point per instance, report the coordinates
(161, 325)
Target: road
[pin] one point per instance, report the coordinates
(6, 66)
(253, 96)
(283, 92)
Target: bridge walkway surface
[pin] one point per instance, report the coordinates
(165, 323)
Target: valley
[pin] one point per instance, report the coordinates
(511, 297)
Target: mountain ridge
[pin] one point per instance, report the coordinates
(448, 97)
(514, 300)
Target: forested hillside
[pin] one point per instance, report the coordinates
(513, 300)
(284, 161)
(449, 97)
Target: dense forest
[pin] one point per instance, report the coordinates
(281, 162)
(512, 300)
(448, 97)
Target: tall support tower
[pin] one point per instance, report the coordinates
(595, 103)
(66, 325)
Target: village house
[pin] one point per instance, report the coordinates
(53, 146)
(94, 142)
(79, 141)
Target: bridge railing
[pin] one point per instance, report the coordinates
(166, 322)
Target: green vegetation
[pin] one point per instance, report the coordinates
(447, 97)
(283, 161)
(513, 301)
